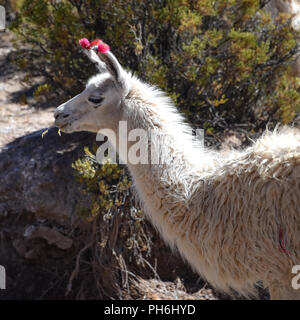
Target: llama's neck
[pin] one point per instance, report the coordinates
(183, 163)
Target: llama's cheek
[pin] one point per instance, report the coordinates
(75, 127)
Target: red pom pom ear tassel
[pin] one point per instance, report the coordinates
(84, 42)
(101, 46)
(95, 43)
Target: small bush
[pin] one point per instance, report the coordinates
(121, 236)
(225, 63)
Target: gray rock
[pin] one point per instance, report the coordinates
(51, 235)
(36, 174)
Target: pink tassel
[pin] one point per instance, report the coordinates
(94, 43)
(103, 47)
(84, 42)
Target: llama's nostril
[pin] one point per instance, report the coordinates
(66, 116)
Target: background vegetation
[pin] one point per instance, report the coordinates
(226, 64)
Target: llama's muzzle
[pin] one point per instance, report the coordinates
(61, 118)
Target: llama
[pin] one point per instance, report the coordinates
(235, 219)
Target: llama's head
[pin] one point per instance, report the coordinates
(99, 105)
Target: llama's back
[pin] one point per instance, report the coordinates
(249, 215)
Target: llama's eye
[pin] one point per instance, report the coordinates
(96, 100)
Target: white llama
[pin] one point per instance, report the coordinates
(235, 219)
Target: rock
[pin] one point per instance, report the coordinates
(52, 235)
(20, 246)
(36, 175)
(31, 254)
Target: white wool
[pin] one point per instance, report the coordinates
(223, 214)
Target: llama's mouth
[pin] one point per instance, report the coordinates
(65, 127)
(61, 126)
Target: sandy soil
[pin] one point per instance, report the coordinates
(16, 119)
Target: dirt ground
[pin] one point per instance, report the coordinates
(17, 118)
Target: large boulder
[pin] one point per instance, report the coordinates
(37, 177)
(38, 197)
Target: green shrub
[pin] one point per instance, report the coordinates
(110, 184)
(121, 242)
(224, 63)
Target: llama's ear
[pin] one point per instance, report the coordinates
(114, 67)
(93, 56)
